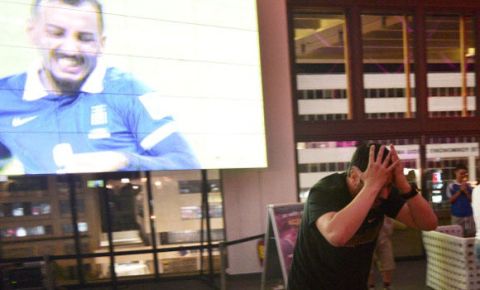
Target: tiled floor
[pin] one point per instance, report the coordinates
(409, 275)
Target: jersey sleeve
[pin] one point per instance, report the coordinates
(449, 192)
(161, 144)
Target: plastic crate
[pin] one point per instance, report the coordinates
(451, 261)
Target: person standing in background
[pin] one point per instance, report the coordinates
(459, 193)
(383, 258)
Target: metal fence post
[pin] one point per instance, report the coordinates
(223, 266)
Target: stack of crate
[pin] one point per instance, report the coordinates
(451, 261)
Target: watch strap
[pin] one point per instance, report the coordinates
(412, 193)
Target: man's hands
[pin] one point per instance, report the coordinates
(378, 172)
(464, 186)
(101, 161)
(399, 179)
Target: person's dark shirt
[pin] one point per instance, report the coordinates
(317, 265)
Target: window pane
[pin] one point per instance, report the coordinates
(322, 92)
(450, 58)
(178, 211)
(121, 206)
(27, 221)
(388, 66)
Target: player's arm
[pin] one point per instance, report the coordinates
(339, 227)
(452, 196)
(416, 212)
(170, 150)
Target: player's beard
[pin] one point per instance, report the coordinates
(68, 88)
(67, 80)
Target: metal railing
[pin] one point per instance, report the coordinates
(222, 247)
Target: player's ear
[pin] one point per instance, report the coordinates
(103, 40)
(355, 174)
(31, 31)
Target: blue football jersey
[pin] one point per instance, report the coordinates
(41, 133)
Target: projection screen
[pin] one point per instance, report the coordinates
(130, 85)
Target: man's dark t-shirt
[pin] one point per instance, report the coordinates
(317, 265)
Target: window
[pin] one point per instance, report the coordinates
(450, 57)
(388, 78)
(322, 79)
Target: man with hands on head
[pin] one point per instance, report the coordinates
(343, 215)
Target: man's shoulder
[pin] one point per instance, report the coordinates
(116, 79)
(331, 179)
(453, 184)
(331, 184)
(13, 81)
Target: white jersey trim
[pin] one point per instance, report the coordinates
(158, 135)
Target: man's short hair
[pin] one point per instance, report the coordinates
(75, 3)
(361, 156)
(461, 166)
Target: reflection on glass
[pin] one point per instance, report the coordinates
(39, 222)
(180, 213)
(320, 53)
(387, 66)
(68, 230)
(134, 268)
(450, 58)
(195, 212)
(40, 208)
(34, 212)
(24, 232)
(65, 272)
(17, 209)
(64, 205)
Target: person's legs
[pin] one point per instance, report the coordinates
(387, 278)
(371, 275)
(387, 262)
(469, 227)
(458, 221)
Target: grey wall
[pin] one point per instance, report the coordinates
(247, 192)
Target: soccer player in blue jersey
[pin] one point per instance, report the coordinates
(71, 113)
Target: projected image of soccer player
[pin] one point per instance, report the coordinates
(71, 113)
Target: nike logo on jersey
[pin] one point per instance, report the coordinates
(19, 121)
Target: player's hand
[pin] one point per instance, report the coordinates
(463, 186)
(101, 161)
(399, 179)
(378, 172)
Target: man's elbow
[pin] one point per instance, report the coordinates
(430, 224)
(337, 239)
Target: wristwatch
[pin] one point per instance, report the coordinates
(413, 191)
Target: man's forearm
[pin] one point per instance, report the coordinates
(422, 213)
(339, 227)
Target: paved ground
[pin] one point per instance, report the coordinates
(409, 275)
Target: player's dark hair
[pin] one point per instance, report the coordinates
(360, 156)
(461, 166)
(75, 3)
